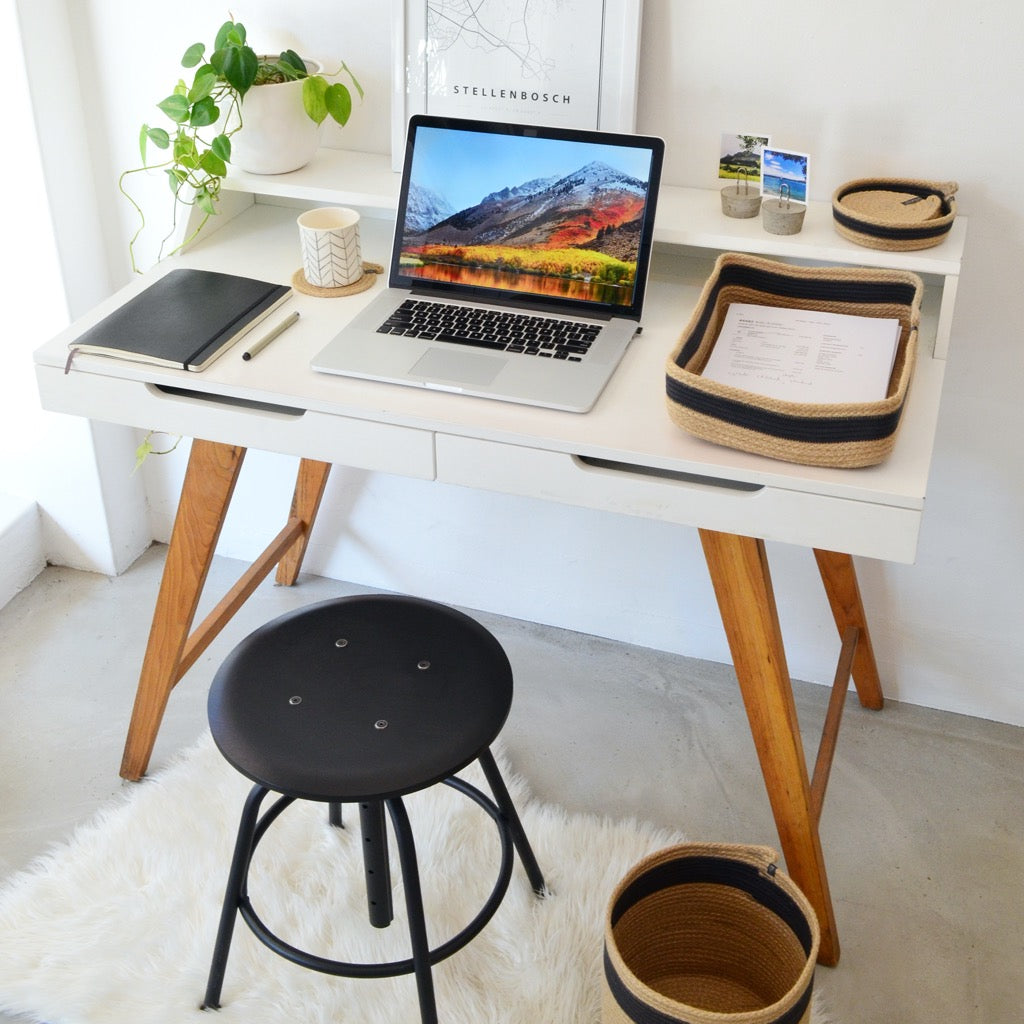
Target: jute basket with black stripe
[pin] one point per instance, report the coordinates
(846, 435)
(709, 934)
(896, 214)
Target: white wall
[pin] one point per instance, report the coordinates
(91, 510)
(870, 88)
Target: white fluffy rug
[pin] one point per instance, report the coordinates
(116, 926)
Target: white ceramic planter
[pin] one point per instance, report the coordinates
(276, 134)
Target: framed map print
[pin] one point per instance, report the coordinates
(570, 63)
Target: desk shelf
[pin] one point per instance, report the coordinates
(687, 217)
(333, 177)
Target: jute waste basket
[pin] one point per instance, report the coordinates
(709, 934)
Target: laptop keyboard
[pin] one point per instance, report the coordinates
(494, 329)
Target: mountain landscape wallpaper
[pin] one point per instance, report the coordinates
(573, 231)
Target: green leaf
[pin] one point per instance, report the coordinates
(203, 84)
(148, 447)
(222, 147)
(158, 136)
(207, 71)
(339, 102)
(239, 66)
(204, 113)
(193, 55)
(176, 178)
(205, 203)
(230, 31)
(185, 152)
(213, 164)
(176, 107)
(355, 81)
(313, 91)
(292, 58)
(141, 452)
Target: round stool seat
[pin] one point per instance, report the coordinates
(360, 698)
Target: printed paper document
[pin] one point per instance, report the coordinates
(799, 355)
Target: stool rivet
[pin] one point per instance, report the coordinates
(294, 700)
(424, 664)
(341, 643)
(381, 723)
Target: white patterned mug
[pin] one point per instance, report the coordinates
(331, 256)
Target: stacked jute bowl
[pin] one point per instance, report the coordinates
(896, 214)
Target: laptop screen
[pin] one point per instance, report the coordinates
(525, 215)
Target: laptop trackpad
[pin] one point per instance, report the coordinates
(458, 367)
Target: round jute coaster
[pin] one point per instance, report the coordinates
(370, 272)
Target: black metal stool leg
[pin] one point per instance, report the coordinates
(376, 865)
(414, 910)
(504, 801)
(233, 895)
(334, 816)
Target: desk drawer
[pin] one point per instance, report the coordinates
(794, 517)
(350, 441)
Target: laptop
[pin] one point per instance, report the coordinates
(519, 263)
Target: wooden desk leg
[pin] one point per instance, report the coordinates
(209, 483)
(840, 579)
(743, 588)
(309, 491)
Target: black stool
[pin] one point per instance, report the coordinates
(364, 700)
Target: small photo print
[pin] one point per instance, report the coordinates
(784, 175)
(739, 157)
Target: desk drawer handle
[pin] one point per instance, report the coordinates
(675, 476)
(292, 412)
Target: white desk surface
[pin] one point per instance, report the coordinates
(275, 402)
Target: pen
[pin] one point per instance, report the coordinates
(260, 345)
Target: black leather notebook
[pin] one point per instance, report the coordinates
(185, 319)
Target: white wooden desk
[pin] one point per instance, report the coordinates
(624, 456)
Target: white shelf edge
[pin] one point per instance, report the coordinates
(332, 176)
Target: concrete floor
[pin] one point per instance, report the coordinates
(922, 827)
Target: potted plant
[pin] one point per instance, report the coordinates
(209, 113)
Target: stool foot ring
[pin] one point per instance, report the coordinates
(251, 830)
